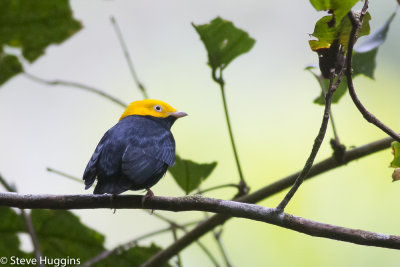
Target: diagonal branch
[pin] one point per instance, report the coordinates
(197, 203)
(357, 23)
(317, 142)
(267, 191)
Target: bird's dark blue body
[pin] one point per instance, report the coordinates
(132, 155)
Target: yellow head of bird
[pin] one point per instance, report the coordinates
(151, 107)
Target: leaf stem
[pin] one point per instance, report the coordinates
(175, 236)
(217, 236)
(244, 189)
(128, 58)
(200, 192)
(73, 178)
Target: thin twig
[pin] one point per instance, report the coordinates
(134, 242)
(317, 143)
(7, 186)
(200, 192)
(366, 114)
(320, 80)
(76, 85)
(73, 178)
(244, 189)
(128, 58)
(207, 252)
(267, 191)
(128, 245)
(175, 236)
(29, 224)
(217, 237)
(33, 236)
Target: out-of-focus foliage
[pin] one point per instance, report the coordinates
(338, 8)
(327, 34)
(223, 41)
(61, 235)
(11, 224)
(364, 55)
(133, 257)
(32, 26)
(9, 66)
(189, 174)
(396, 155)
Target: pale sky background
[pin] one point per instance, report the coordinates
(270, 101)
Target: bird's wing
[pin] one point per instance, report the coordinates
(90, 173)
(149, 156)
(160, 146)
(141, 168)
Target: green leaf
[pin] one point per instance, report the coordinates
(34, 25)
(365, 63)
(364, 57)
(9, 67)
(132, 257)
(326, 34)
(339, 7)
(223, 41)
(11, 224)
(396, 155)
(377, 38)
(189, 174)
(60, 234)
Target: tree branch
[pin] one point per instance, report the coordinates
(267, 191)
(317, 142)
(366, 114)
(197, 203)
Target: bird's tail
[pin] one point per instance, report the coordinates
(109, 188)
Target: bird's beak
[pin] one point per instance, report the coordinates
(178, 114)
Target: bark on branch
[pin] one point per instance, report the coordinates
(198, 203)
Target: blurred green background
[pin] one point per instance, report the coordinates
(273, 118)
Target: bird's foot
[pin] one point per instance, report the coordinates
(149, 194)
(112, 198)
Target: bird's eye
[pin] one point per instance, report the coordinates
(158, 108)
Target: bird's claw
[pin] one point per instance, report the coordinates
(149, 194)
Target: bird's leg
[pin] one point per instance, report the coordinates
(149, 194)
(112, 202)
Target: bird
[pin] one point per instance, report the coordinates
(136, 152)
